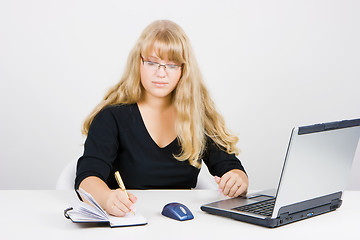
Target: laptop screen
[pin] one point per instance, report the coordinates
(318, 161)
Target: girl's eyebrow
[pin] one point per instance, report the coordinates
(154, 58)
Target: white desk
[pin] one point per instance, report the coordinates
(27, 214)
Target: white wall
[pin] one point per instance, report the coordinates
(269, 65)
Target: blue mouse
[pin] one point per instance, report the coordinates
(177, 211)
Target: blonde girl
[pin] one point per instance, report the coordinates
(156, 127)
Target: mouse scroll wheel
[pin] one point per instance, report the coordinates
(183, 210)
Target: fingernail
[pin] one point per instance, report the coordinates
(133, 208)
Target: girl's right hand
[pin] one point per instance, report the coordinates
(118, 204)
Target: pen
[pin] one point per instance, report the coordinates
(121, 185)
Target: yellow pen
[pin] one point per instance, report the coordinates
(121, 185)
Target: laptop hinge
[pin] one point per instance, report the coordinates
(335, 203)
(331, 199)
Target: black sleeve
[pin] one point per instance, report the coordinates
(100, 148)
(218, 161)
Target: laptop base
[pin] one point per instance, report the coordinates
(287, 214)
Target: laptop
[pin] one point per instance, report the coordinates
(315, 172)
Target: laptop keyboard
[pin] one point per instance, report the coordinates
(263, 208)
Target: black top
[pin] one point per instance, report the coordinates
(119, 141)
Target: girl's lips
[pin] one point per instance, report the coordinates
(160, 84)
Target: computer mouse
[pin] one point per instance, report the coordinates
(177, 211)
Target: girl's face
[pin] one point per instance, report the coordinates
(159, 77)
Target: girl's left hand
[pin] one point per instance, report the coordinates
(234, 183)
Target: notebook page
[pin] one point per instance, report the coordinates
(91, 200)
(83, 212)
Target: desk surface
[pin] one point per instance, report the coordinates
(39, 213)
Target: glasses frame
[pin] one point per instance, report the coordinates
(159, 65)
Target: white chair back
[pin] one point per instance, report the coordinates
(66, 180)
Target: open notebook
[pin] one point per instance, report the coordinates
(82, 212)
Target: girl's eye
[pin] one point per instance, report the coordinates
(172, 66)
(151, 63)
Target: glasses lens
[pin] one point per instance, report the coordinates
(172, 67)
(151, 65)
(155, 66)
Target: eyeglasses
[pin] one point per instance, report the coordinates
(151, 65)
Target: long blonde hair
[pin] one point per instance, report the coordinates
(196, 113)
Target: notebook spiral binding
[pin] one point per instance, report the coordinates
(66, 212)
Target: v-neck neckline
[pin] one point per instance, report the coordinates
(147, 132)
